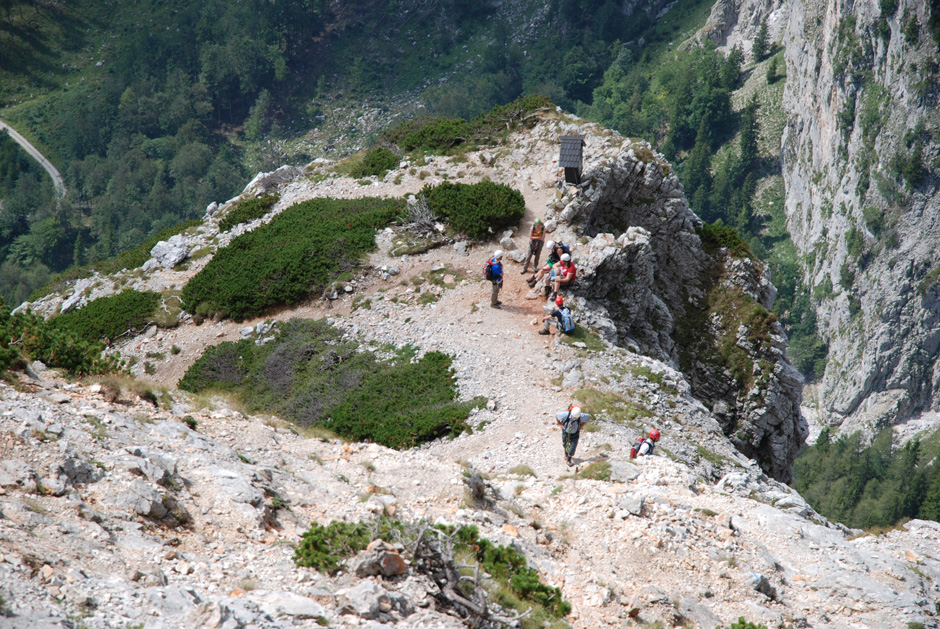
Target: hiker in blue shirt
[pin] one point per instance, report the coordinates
(571, 422)
(561, 318)
(494, 273)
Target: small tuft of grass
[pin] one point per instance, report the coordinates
(522, 470)
(581, 334)
(598, 470)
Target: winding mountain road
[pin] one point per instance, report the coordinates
(57, 180)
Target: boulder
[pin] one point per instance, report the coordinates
(380, 559)
(169, 253)
(142, 499)
(371, 601)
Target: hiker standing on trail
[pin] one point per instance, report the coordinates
(644, 446)
(536, 240)
(571, 422)
(494, 273)
(561, 319)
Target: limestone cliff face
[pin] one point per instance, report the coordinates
(650, 283)
(860, 158)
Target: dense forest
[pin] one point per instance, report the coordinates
(870, 486)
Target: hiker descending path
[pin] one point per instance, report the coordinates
(57, 180)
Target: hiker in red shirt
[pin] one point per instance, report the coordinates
(564, 273)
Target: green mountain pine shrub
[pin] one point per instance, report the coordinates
(310, 375)
(325, 547)
(109, 317)
(478, 208)
(26, 336)
(283, 262)
(375, 163)
(248, 210)
(430, 133)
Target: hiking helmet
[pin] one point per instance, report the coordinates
(559, 301)
(566, 257)
(497, 254)
(538, 221)
(550, 244)
(654, 435)
(576, 412)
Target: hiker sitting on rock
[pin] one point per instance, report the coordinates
(561, 319)
(494, 273)
(536, 240)
(644, 446)
(563, 274)
(571, 422)
(556, 250)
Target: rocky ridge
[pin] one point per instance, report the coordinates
(204, 520)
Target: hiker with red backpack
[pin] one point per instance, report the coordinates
(644, 445)
(493, 271)
(571, 422)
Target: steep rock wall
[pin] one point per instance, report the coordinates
(649, 283)
(862, 201)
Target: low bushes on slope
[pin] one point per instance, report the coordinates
(375, 163)
(477, 208)
(109, 317)
(511, 582)
(284, 261)
(437, 134)
(26, 337)
(310, 375)
(247, 210)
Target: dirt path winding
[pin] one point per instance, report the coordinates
(57, 179)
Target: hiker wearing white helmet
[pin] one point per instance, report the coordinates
(555, 251)
(494, 273)
(571, 422)
(563, 274)
(536, 240)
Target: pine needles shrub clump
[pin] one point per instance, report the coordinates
(283, 262)
(375, 163)
(518, 586)
(26, 336)
(478, 208)
(108, 318)
(311, 376)
(248, 210)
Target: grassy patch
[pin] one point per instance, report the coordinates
(581, 334)
(610, 406)
(310, 375)
(522, 470)
(284, 261)
(598, 470)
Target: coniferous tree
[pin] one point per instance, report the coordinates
(759, 49)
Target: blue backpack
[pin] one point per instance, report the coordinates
(567, 320)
